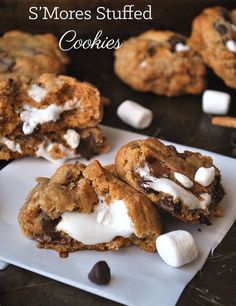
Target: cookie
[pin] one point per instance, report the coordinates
(54, 146)
(48, 104)
(26, 56)
(87, 207)
(160, 62)
(214, 37)
(186, 185)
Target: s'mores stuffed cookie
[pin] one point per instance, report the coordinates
(186, 185)
(54, 117)
(87, 207)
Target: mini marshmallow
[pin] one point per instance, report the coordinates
(183, 179)
(231, 45)
(215, 102)
(177, 248)
(134, 114)
(37, 93)
(205, 176)
(181, 47)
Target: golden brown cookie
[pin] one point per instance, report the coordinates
(87, 207)
(160, 62)
(56, 146)
(186, 185)
(214, 37)
(26, 56)
(47, 104)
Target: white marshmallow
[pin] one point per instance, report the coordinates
(44, 151)
(72, 138)
(183, 179)
(11, 145)
(177, 248)
(231, 45)
(179, 47)
(134, 114)
(177, 192)
(215, 102)
(102, 225)
(205, 176)
(37, 93)
(32, 116)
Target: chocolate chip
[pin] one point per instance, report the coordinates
(199, 230)
(100, 273)
(220, 28)
(176, 39)
(86, 147)
(204, 220)
(49, 226)
(151, 159)
(157, 168)
(151, 49)
(6, 64)
(225, 14)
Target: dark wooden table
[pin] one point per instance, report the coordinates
(175, 119)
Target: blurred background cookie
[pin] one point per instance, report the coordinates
(160, 62)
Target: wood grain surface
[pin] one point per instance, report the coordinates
(175, 119)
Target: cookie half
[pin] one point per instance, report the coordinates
(161, 62)
(48, 104)
(214, 37)
(186, 185)
(56, 146)
(87, 207)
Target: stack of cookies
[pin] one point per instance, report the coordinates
(44, 114)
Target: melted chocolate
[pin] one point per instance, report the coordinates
(49, 227)
(87, 147)
(157, 168)
(220, 28)
(151, 49)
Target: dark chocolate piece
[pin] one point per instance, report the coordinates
(220, 28)
(176, 39)
(86, 147)
(204, 220)
(49, 226)
(151, 49)
(156, 167)
(100, 273)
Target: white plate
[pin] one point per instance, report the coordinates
(138, 278)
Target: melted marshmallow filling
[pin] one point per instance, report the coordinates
(44, 150)
(177, 192)
(102, 225)
(32, 116)
(37, 93)
(11, 145)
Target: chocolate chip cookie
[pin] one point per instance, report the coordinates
(27, 56)
(87, 207)
(214, 37)
(161, 62)
(47, 104)
(186, 185)
(58, 146)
